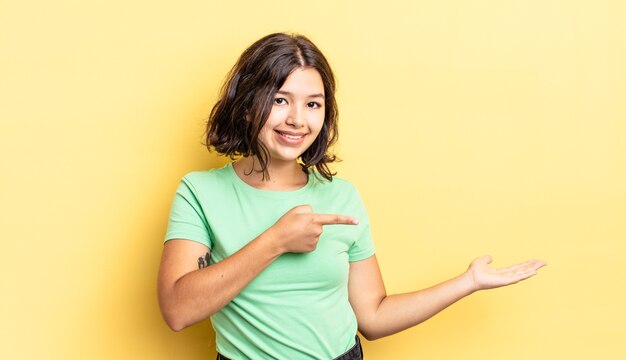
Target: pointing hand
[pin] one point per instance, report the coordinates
(299, 229)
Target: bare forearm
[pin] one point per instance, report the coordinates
(200, 293)
(402, 311)
(380, 315)
(187, 295)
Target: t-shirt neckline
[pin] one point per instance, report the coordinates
(271, 193)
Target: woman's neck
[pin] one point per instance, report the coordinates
(283, 176)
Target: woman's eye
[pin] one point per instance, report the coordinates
(280, 101)
(314, 104)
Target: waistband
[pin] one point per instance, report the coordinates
(354, 353)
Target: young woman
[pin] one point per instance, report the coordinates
(274, 248)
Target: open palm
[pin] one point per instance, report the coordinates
(487, 277)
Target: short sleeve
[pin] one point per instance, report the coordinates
(363, 247)
(187, 220)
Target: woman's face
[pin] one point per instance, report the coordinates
(296, 117)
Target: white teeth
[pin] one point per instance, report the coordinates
(291, 136)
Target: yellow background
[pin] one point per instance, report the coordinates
(469, 127)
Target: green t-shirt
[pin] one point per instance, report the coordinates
(297, 308)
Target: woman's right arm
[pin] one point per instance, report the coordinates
(188, 294)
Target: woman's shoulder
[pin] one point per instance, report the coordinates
(336, 184)
(209, 177)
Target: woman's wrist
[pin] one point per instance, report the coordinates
(468, 283)
(272, 242)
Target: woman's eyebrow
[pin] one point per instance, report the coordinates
(283, 92)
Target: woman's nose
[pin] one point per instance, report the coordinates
(295, 117)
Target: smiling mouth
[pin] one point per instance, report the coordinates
(291, 136)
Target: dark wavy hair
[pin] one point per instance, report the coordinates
(249, 90)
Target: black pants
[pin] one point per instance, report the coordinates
(355, 353)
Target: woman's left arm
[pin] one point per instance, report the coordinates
(379, 314)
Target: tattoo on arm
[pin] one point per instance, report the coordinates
(203, 261)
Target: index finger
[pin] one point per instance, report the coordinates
(335, 219)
